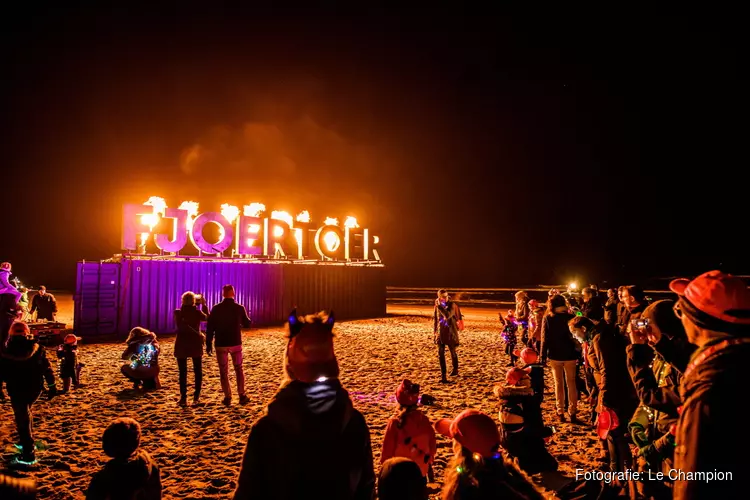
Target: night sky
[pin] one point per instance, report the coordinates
(484, 151)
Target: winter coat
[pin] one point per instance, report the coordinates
(522, 428)
(675, 352)
(711, 431)
(68, 355)
(444, 324)
(190, 339)
(134, 478)
(522, 311)
(535, 323)
(536, 374)
(608, 359)
(6, 287)
(225, 324)
(611, 308)
(45, 306)
(593, 309)
(142, 356)
(311, 443)
(630, 313)
(24, 367)
(656, 383)
(557, 342)
(415, 440)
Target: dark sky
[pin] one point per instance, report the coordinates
(485, 151)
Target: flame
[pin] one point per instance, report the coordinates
(281, 215)
(150, 220)
(303, 216)
(159, 204)
(298, 237)
(331, 221)
(351, 222)
(230, 212)
(192, 209)
(278, 231)
(254, 209)
(332, 241)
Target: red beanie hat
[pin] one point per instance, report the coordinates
(407, 393)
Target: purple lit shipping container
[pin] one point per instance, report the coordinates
(113, 297)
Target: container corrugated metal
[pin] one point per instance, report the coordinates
(115, 297)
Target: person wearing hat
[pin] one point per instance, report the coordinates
(5, 286)
(70, 367)
(311, 442)
(24, 367)
(131, 472)
(715, 310)
(522, 425)
(478, 468)
(409, 433)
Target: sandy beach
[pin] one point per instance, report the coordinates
(199, 448)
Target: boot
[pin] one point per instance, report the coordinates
(196, 397)
(66, 385)
(182, 401)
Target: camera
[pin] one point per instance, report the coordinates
(639, 323)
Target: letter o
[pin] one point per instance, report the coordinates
(196, 233)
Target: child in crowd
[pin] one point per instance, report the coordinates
(409, 433)
(536, 316)
(5, 286)
(70, 367)
(509, 335)
(401, 479)
(142, 356)
(522, 425)
(478, 468)
(530, 359)
(131, 473)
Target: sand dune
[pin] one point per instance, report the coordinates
(199, 448)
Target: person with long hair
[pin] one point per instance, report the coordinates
(562, 350)
(479, 469)
(189, 342)
(311, 442)
(409, 433)
(142, 356)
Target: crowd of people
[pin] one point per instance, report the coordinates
(661, 381)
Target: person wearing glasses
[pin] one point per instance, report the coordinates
(445, 332)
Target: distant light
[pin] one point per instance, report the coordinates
(573, 286)
(322, 379)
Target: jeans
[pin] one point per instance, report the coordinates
(454, 358)
(564, 374)
(22, 414)
(182, 366)
(222, 355)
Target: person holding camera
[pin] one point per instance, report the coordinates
(189, 342)
(445, 332)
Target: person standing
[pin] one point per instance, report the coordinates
(5, 286)
(189, 342)
(225, 324)
(522, 315)
(44, 304)
(445, 332)
(611, 307)
(559, 346)
(24, 367)
(715, 311)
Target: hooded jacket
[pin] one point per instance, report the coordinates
(133, 478)
(142, 356)
(24, 367)
(6, 287)
(656, 383)
(711, 434)
(414, 440)
(311, 443)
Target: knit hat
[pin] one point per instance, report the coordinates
(19, 328)
(407, 393)
(71, 339)
(309, 353)
(473, 430)
(529, 356)
(514, 375)
(717, 295)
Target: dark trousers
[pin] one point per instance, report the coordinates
(620, 457)
(182, 366)
(22, 414)
(454, 358)
(149, 384)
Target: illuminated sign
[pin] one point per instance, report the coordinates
(250, 232)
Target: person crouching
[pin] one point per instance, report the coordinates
(142, 356)
(24, 367)
(131, 473)
(70, 367)
(409, 433)
(522, 425)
